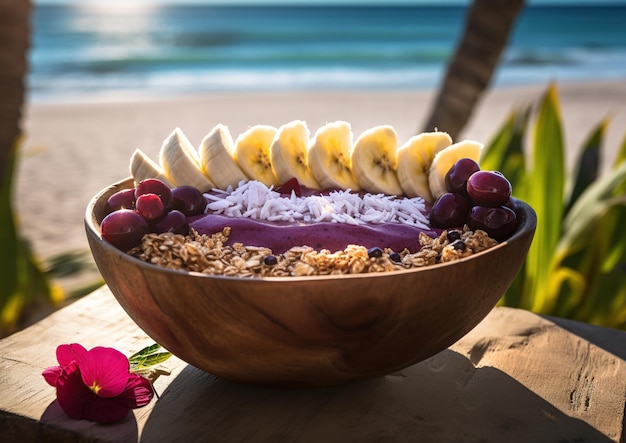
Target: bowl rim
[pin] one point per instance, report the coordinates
(527, 224)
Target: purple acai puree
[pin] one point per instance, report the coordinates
(281, 236)
(330, 219)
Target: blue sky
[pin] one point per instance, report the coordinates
(322, 2)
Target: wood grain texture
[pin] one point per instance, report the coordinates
(309, 330)
(516, 377)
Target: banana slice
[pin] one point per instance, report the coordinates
(374, 160)
(330, 156)
(181, 164)
(414, 159)
(444, 160)
(252, 154)
(289, 152)
(216, 158)
(142, 167)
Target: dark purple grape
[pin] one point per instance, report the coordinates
(150, 206)
(456, 178)
(188, 200)
(124, 199)
(488, 188)
(124, 229)
(499, 222)
(449, 211)
(174, 222)
(510, 204)
(155, 186)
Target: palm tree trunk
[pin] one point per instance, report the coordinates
(487, 29)
(14, 261)
(14, 45)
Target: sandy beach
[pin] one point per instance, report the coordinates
(72, 150)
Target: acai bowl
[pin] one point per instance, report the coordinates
(311, 327)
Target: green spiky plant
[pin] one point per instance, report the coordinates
(28, 284)
(23, 282)
(576, 266)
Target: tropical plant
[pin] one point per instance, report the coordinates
(22, 280)
(576, 266)
(26, 286)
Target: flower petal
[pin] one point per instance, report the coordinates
(106, 368)
(72, 394)
(104, 410)
(52, 374)
(138, 392)
(69, 353)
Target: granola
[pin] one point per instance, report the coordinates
(209, 254)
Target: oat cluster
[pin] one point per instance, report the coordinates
(209, 254)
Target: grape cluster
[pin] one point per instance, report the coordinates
(480, 199)
(149, 207)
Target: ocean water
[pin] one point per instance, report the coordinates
(105, 52)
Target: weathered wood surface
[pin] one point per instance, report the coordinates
(517, 377)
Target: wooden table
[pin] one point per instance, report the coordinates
(517, 377)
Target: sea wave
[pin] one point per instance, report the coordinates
(79, 50)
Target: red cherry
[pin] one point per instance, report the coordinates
(290, 186)
(150, 206)
(155, 186)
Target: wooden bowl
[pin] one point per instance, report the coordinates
(308, 330)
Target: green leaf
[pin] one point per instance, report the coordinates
(505, 152)
(621, 154)
(588, 163)
(594, 244)
(68, 264)
(594, 203)
(148, 357)
(37, 284)
(570, 284)
(148, 350)
(545, 195)
(22, 280)
(83, 290)
(9, 297)
(615, 257)
(576, 266)
(607, 305)
(605, 299)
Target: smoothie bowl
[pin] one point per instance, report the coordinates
(286, 319)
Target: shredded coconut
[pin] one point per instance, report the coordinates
(255, 200)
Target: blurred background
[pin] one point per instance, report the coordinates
(85, 82)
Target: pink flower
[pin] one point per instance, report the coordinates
(96, 385)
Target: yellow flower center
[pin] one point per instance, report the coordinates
(95, 388)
